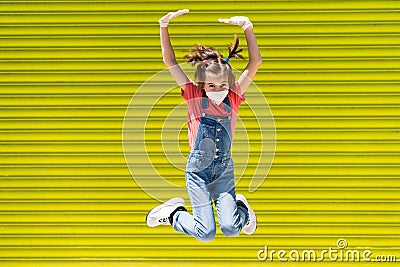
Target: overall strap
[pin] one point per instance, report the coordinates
(204, 101)
(227, 104)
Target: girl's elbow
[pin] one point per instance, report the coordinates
(257, 62)
(170, 63)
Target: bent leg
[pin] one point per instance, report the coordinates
(201, 224)
(231, 217)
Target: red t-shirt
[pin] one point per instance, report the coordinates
(193, 95)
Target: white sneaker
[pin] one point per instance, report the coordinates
(251, 224)
(161, 215)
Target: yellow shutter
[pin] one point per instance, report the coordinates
(69, 70)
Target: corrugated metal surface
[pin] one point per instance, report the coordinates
(70, 68)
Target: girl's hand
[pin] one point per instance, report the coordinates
(167, 18)
(241, 21)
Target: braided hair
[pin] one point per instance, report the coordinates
(210, 60)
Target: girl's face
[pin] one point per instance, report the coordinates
(216, 82)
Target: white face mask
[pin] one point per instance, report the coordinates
(218, 96)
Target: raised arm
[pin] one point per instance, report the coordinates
(255, 58)
(168, 52)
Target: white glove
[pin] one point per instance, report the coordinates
(167, 18)
(241, 21)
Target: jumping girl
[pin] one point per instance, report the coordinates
(213, 103)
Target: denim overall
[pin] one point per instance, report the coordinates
(210, 175)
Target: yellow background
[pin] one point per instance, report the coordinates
(69, 69)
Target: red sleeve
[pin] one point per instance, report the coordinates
(191, 91)
(236, 96)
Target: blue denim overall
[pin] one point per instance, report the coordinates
(210, 175)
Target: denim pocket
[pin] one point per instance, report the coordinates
(195, 157)
(227, 161)
(195, 161)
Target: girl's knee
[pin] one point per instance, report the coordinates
(206, 235)
(230, 230)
